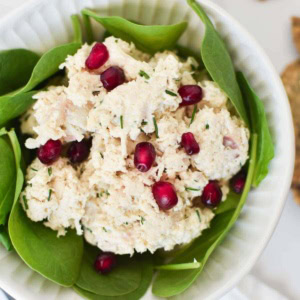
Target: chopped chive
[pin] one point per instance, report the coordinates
(30, 184)
(142, 220)
(49, 195)
(101, 155)
(156, 128)
(171, 93)
(121, 122)
(49, 171)
(198, 214)
(25, 202)
(144, 123)
(98, 195)
(89, 229)
(144, 74)
(175, 267)
(104, 229)
(33, 169)
(126, 223)
(107, 193)
(207, 126)
(191, 189)
(193, 114)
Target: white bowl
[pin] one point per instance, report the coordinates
(41, 24)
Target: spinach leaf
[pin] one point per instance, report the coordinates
(5, 239)
(259, 125)
(16, 66)
(148, 38)
(77, 29)
(231, 202)
(57, 259)
(146, 266)
(124, 279)
(218, 63)
(48, 65)
(36, 244)
(170, 283)
(8, 177)
(14, 106)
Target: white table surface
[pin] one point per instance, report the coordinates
(269, 22)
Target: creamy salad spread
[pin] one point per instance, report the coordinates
(109, 197)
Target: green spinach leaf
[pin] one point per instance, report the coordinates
(16, 66)
(124, 279)
(146, 265)
(8, 175)
(36, 244)
(259, 125)
(48, 65)
(88, 29)
(5, 239)
(231, 202)
(218, 63)
(148, 38)
(14, 106)
(170, 283)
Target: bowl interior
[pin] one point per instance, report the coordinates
(42, 24)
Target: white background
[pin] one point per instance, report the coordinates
(269, 22)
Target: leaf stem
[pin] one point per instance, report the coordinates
(175, 267)
(88, 28)
(193, 114)
(77, 29)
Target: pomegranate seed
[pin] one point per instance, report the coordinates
(190, 94)
(50, 152)
(229, 142)
(189, 143)
(144, 156)
(105, 262)
(212, 194)
(79, 151)
(98, 57)
(112, 77)
(238, 181)
(165, 195)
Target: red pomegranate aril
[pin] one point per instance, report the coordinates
(98, 57)
(50, 152)
(189, 143)
(238, 181)
(190, 94)
(79, 151)
(105, 262)
(144, 156)
(164, 194)
(212, 194)
(112, 77)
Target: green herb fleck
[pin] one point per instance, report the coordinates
(144, 74)
(101, 154)
(25, 202)
(191, 189)
(193, 114)
(126, 223)
(33, 169)
(104, 229)
(107, 193)
(142, 220)
(144, 123)
(49, 195)
(49, 171)
(207, 126)
(198, 214)
(156, 128)
(89, 229)
(121, 122)
(171, 93)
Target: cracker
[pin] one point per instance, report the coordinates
(296, 31)
(291, 81)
